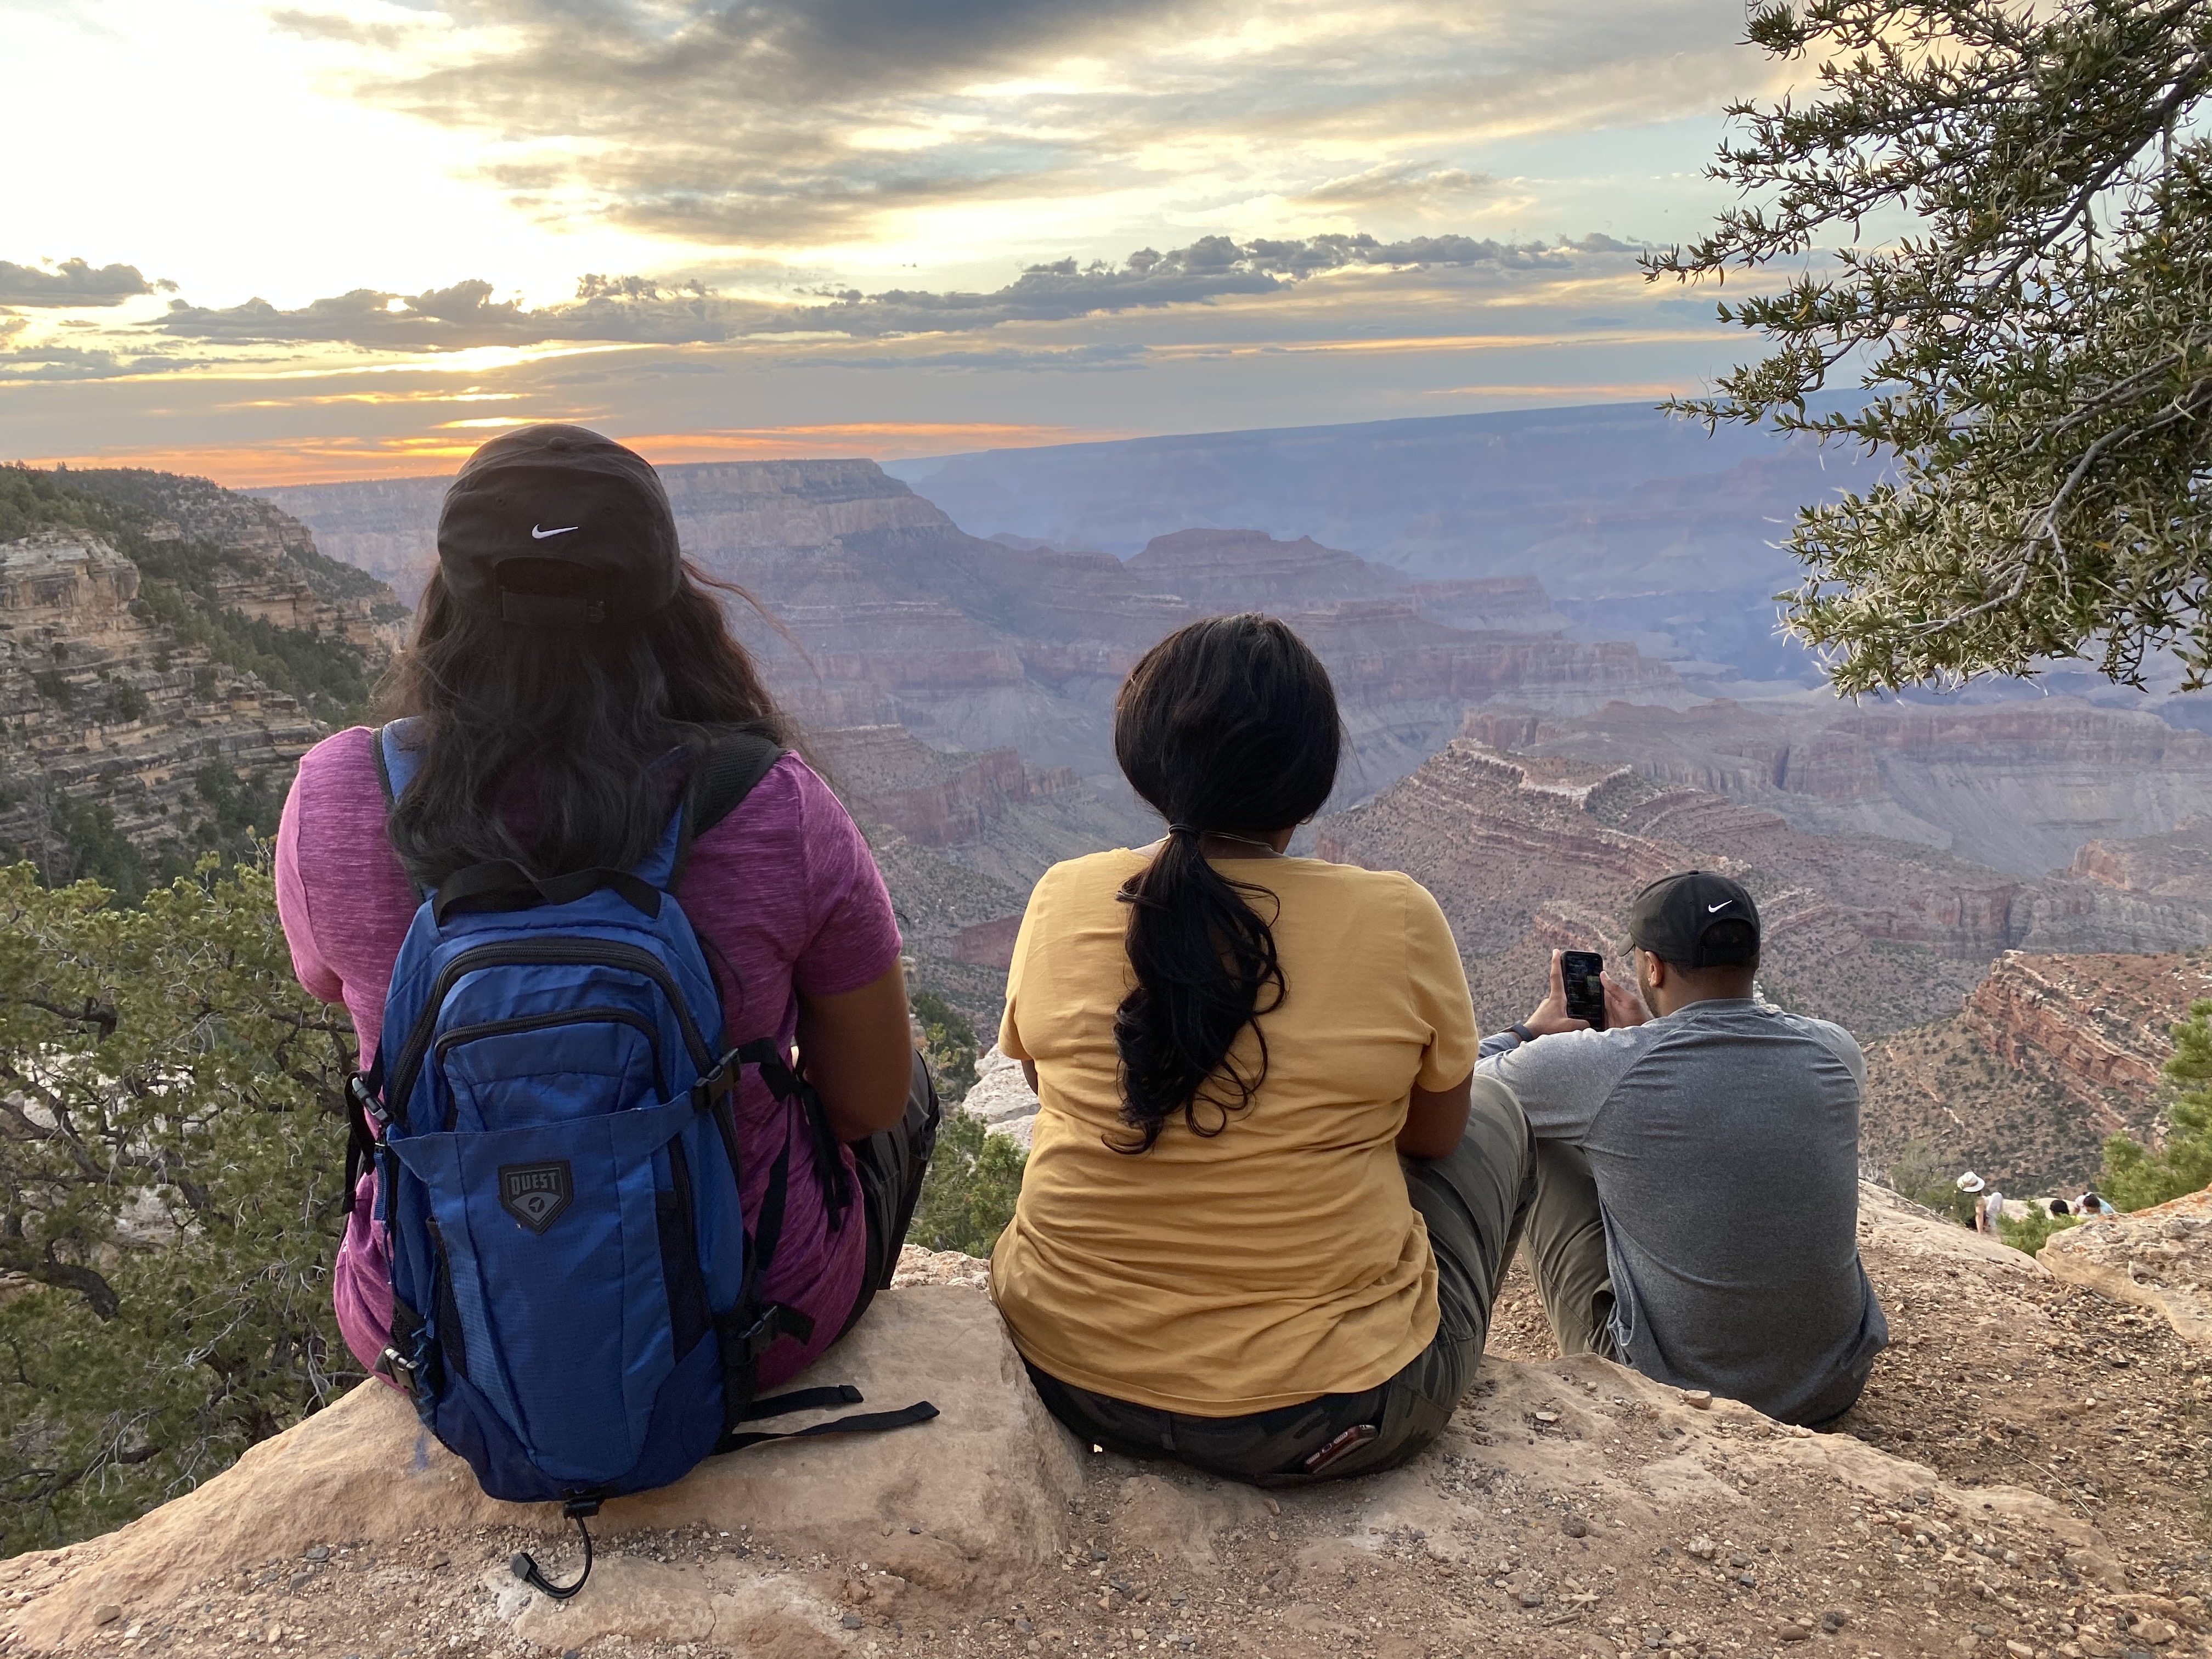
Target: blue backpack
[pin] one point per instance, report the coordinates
(576, 1300)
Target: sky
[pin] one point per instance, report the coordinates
(283, 243)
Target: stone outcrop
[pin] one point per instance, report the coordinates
(2159, 1259)
(2017, 785)
(1572, 1507)
(1001, 1097)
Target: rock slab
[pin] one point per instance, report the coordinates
(981, 1492)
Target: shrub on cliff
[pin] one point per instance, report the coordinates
(2023, 197)
(2136, 1177)
(170, 1176)
(2032, 1232)
(968, 1196)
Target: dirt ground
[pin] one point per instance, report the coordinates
(1574, 1509)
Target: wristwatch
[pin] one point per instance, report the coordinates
(1521, 1031)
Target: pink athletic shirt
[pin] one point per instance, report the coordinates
(784, 896)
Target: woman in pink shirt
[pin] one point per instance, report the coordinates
(567, 670)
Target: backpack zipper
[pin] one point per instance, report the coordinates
(576, 953)
(492, 1028)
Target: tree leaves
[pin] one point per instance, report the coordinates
(2035, 328)
(171, 1167)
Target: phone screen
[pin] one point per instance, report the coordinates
(1585, 988)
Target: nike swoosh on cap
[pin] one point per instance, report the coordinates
(538, 535)
(1723, 905)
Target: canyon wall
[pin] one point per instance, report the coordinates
(1530, 852)
(2049, 1056)
(161, 673)
(2019, 786)
(101, 705)
(880, 610)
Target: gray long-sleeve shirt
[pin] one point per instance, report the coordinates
(1724, 1139)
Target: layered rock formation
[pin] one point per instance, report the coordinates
(161, 643)
(1530, 852)
(2176, 864)
(1572, 1507)
(2049, 1056)
(2017, 785)
(101, 705)
(882, 611)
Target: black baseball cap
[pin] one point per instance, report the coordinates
(556, 525)
(1672, 917)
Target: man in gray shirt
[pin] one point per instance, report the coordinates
(1697, 1199)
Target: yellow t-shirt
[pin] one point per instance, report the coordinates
(1281, 1259)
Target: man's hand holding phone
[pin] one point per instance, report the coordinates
(1619, 1006)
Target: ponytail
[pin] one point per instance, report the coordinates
(1230, 725)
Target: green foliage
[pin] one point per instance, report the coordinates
(2034, 1232)
(948, 1043)
(2025, 194)
(171, 1167)
(968, 1196)
(1919, 1174)
(2133, 1177)
(125, 702)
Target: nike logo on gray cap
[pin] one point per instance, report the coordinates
(538, 535)
(1723, 905)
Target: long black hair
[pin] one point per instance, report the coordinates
(1228, 726)
(575, 726)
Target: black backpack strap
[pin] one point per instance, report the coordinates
(720, 781)
(859, 1423)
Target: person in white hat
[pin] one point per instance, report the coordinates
(1989, 1203)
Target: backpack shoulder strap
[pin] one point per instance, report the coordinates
(397, 762)
(396, 766)
(721, 780)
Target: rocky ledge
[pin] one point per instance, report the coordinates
(1573, 1508)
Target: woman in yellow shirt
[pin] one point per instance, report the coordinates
(1267, 1204)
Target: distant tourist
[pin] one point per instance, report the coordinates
(2060, 1206)
(567, 677)
(2091, 1204)
(1989, 1211)
(1697, 1202)
(1268, 1205)
(1973, 1186)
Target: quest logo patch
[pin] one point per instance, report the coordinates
(535, 1195)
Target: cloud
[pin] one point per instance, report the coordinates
(1084, 359)
(1397, 184)
(55, 362)
(72, 283)
(640, 310)
(821, 123)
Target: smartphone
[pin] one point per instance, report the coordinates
(1583, 970)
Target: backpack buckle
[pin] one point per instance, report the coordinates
(775, 1320)
(401, 1370)
(364, 1101)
